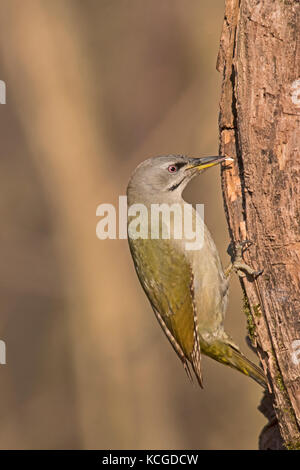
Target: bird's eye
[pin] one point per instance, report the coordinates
(172, 169)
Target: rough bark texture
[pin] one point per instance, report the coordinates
(259, 58)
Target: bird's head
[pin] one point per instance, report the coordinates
(168, 174)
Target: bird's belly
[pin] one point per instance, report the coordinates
(210, 289)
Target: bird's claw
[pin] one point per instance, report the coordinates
(257, 273)
(243, 269)
(242, 246)
(238, 264)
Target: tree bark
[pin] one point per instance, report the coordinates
(259, 120)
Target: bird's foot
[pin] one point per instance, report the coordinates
(238, 265)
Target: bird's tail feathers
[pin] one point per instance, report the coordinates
(227, 354)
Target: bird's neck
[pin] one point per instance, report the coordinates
(158, 198)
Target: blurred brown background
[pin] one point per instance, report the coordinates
(93, 88)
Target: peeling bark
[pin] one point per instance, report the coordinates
(259, 121)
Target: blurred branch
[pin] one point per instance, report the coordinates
(53, 99)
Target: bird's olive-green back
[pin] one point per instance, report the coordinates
(166, 277)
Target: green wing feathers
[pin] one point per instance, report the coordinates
(166, 278)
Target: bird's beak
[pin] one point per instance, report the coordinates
(206, 162)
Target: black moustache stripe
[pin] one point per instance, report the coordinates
(175, 186)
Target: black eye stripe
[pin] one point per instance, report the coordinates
(179, 165)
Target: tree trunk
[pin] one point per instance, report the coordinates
(259, 58)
